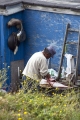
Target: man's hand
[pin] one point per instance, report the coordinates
(47, 76)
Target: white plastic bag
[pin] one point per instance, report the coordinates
(52, 72)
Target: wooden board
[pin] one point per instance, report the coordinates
(15, 81)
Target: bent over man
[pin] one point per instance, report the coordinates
(37, 66)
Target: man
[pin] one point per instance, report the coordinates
(37, 66)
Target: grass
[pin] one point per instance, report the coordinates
(39, 106)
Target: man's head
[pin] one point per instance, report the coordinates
(49, 52)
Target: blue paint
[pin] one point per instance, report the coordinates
(8, 31)
(0, 45)
(42, 29)
(7, 54)
(2, 40)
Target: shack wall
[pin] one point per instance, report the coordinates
(45, 28)
(0, 42)
(7, 56)
(42, 29)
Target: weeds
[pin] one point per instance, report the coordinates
(38, 106)
(3, 75)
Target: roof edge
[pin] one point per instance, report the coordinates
(58, 4)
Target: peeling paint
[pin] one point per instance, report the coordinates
(49, 28)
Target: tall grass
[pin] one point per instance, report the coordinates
(39, 106)
(3, 74)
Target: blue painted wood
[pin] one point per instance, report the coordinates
(2, 39)
(42, 29)
(8, 31)
(45, 28)
(8, 55)
(0, 44)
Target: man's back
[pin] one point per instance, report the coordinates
(36, 66)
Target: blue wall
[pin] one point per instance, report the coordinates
(9, 56)
(5, 52)
(0, 44)
(1, 41)
(42, 29)
(45, 28)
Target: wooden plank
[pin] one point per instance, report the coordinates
(15, 81)
(69, 4)
(72, 42)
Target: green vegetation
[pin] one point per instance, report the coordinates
(39, 106)
(3, 74)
